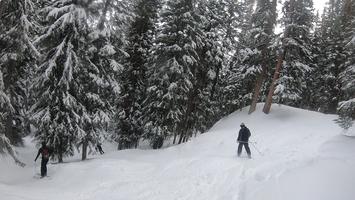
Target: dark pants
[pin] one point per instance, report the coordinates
(44, 167)
(100, 149)
(246, 146)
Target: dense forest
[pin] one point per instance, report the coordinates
(74, 73)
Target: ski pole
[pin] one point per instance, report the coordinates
(256, 148)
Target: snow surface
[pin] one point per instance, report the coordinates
(304, 158)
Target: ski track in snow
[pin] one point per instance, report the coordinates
(304, 158)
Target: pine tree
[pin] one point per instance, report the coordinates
(107, 54)
(219, 19)
(346, 108)
(70, 109)
(170, 97)
(133, 78)
(236, 85)
(314, 95)
(327, 74)
(17, 59)
(261, 34)
(297, 51)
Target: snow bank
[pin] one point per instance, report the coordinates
(304, 158)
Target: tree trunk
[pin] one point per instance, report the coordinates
(174, 137)
(190, 109)
(181, 138)
(60, 152)
(185, 138)
(258, 84)
(84, 150)
(267, 105)
(60, 157)
(215, 81)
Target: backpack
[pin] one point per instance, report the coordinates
(45, 153)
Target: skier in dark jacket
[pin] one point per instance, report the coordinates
(243, 139)
(46, 153)
(99, 148)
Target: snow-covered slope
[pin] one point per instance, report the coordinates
(304, 158)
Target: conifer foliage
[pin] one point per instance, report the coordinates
(69, 107)
(17, 56)
(171, 75)
(346, 107)
(297, 22)
(133, 79)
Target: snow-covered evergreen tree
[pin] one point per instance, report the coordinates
(17, 59)
(261, 35)
(70, 109)
(171, 93)
(133, 78)
(107, 54)
(297, 21)
(326, 76)
(346, 107)
(235, 87)
(218, 21)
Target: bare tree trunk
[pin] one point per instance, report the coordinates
(258, 84)
(84, 149)
(256, 94)
(190, 109)
(60, 153)
(60, 157)
(174, 137)
(267, 105)
(181, 138)
(215, 81)
(185, 138)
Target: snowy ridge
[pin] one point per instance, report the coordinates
(304, 158)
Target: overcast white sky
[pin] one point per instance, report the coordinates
(319, 5)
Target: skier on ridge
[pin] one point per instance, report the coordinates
(243, 139)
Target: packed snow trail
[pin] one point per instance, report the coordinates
(305, 158)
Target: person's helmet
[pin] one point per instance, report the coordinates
(242, 124)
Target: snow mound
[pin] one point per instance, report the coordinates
(304, 157)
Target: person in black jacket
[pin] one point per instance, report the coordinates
(45, 151)
(243, 139)
(99, 148)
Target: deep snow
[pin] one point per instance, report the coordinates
(304, 158)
